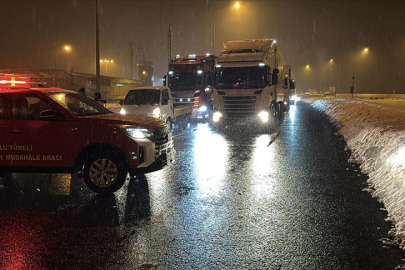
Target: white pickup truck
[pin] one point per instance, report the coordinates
(155, 101)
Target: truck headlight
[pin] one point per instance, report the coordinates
(138, 133)
(264, 116)
(156, 113)
(216, 116)
(122, 111)
(202, 109)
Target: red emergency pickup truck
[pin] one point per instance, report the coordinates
(52, 130)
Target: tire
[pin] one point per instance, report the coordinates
(275, 113)
(169, 123)
(104, 173)
(184, 120)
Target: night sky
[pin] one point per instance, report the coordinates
(308, 33)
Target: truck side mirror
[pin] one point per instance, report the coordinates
(164, 80)
(121, 101)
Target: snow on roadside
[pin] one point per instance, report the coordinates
(375, 135)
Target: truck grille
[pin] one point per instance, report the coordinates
(239, 106)
(163, 141)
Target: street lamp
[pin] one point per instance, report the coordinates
(362, 72)
(330, 69)
(106, 61)
(237, 6)
(332, 87)
(308, 69)
(65, 48)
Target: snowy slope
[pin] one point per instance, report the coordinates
(375, 134)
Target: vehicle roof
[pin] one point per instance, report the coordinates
(192, 59)
(261, 45)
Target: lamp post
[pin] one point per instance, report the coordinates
(66, 48)
(363, 59)
(309, 70)
(331, 70)
(237, 6)
(97, 47)
(169, 43)
(106, 61)
(332, 87)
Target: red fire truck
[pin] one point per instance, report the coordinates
(52, 130)
(190, 79)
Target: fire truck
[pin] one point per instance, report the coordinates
(190, 79)
(252, 83)
(52, 130)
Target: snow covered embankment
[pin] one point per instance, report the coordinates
(376, 136)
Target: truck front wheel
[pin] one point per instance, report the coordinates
(104, 174)
(169, 123)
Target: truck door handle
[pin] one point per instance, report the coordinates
(16, 132)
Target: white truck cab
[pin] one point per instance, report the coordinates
(248, 90)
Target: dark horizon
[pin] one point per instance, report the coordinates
(308, 33)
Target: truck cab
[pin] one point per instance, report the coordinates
(248, 86)
(191, 80)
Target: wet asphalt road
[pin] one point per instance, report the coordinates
(230, 201)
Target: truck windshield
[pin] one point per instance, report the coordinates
(77, 104)
(241, 77)
(142, 97)
(190, 81)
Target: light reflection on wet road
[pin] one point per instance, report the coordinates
(230, 201)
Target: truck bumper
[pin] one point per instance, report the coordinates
(199, 116)
(253, 119)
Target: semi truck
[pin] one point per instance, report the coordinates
(156, 102)
(252, 83)
(190, 79)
